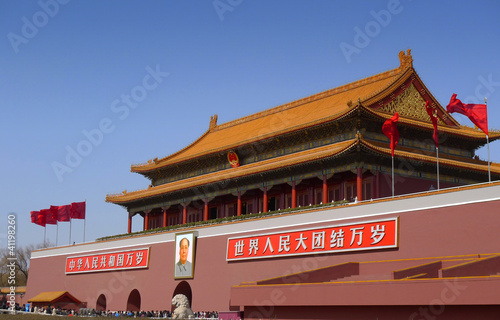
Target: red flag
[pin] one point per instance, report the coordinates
(34, 216)
(391, 131)
(48, 216)
(38, 218)
(477, 113)
(78, 210)
(434, 122)
(61, 212)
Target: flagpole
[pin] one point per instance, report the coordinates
(437, 159)
(70, 231)
(84, 220)
(57, 231)
(488, 141)
(489, 171)
(44, 234)
(393, 176)
(390, 130)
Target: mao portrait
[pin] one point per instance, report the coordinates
(184, 255)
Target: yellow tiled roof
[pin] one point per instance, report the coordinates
(19, 290)
(316, 109)
(51, 296)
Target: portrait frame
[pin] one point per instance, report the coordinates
(186, 270)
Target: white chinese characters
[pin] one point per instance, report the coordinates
(108, 261)
(361, 236)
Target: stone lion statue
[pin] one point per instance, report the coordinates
(182, 309)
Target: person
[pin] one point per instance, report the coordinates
(183, 267)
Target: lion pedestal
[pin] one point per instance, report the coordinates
(182, 308)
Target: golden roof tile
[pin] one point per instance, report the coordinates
(49, 297)
(321, 108)
(19, 290)
(303, 113)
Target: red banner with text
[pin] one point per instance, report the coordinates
(109, 261)
(370, 235)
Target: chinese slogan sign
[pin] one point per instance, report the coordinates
(110, 261)
(371, 235)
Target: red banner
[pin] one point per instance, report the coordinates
(430, 112)
(390, 129)
(77, 210)
(49, 216)
(61, 213)
(38, 218)
(370, 235)
(477, 113)
(109, 261)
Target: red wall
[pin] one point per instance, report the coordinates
(454, 230)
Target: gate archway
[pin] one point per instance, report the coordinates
(183, 288)
(134, 301)
(101, 303)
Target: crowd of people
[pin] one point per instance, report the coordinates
(159, 314)
(40, 310)
(92, 312)
(155, 314)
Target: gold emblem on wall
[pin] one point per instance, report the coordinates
(233, 159)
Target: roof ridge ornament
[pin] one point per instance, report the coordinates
(358, 136)
(405, 60)
(213, 122)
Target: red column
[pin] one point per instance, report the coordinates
(205, 211)
(164, 217)
(264, 200)
(129, 223)
(238, 210)
(342, 191)
(359, 184)
(312, 199)
(184, 213)
(294, 195)
(146, 220)
(325, 190)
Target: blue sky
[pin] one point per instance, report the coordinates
(126, 81)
